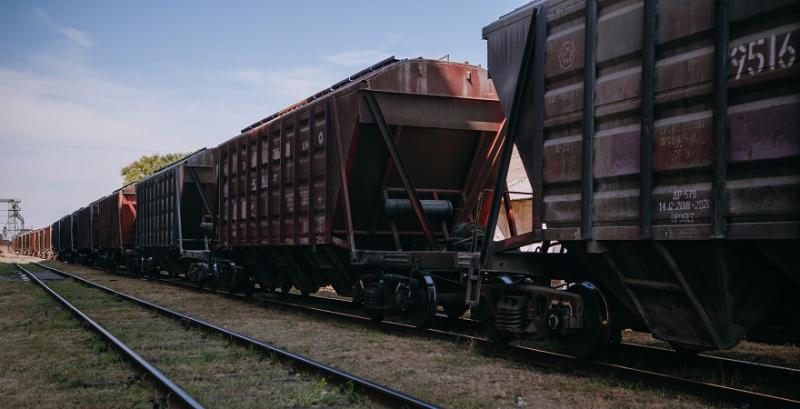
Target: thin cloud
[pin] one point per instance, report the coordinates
(295, 83)
(78, 37)
(357, 58)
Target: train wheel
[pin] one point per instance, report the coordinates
(486, 308)
(485, 314)
(286, 287)
(422, 300)
(592, 339)
(307, 292)
(249, 286)
(455, 311)
(686, 352)
(375, 315)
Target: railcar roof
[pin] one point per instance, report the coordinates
(363, 74)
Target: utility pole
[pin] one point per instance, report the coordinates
(15, 223)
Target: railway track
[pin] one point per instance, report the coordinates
(379, 393)
(168, 386)
(652, 357)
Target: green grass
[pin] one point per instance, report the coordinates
(8, 269)
(49, 360)
(216, 371)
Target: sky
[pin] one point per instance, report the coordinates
(87, 87)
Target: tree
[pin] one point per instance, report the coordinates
(147, 165)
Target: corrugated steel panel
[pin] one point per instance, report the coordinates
(87, 227)
(168, 207)
(65, 233)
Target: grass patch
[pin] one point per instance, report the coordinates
(216, 371)
(50, 361)
(8, 269)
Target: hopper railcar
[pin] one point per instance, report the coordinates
(36, 243)
(363, 187)
(174, 216)
(86, 228)
(115, 217)
(662, 141)
(62, 241)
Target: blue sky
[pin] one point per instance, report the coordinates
(89, 86)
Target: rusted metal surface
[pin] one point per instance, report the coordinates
(397, 88)
(117, 212)
(704, 145)
(318, 172)
(37, 243)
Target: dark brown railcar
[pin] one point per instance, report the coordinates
(116, 214)
(662, 143)
(63, 240)
(86, 231)
(174, 214)
(307, 193)
(55, 239)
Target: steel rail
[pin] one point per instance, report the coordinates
(379, 392)
(171, 388)
(661, 355)
(555, 360)
(667, 356)
(441, 319)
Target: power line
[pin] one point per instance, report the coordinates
(93, 148)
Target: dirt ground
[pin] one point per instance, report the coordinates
(438, 371)
(8, 256)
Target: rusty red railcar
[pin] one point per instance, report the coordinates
(115, 218)
(384, 161)
(662, 141)
(45, 249)
(33, 242)
(16, 244)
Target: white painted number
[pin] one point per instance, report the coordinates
(786, 49)
(751, 55)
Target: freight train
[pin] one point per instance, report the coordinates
(661, 139)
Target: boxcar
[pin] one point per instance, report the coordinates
(662, 143)
(364, 183)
